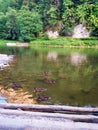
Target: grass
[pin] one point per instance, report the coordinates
(65, 42)
(3, 45)
(60, 42)
(3, 42)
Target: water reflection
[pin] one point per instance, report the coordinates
(78, 59)
(65, 83)
(52, 56)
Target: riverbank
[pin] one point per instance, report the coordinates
(91, 42)
(66, 42)
(16, 96)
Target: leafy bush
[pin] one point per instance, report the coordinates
(45, 37)
(95, 32)
(30, 25)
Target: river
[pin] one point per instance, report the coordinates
(68, 76)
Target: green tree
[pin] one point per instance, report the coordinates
(69, 14)
(30, 24)
(16, 4)
(33, 4)
(43, 8)
(88, 14)
(53, 15)
(81, 13)
(93, 19)
(2, 26)
(50, 12)
(4, 5)
(69, 18)
(11, 24)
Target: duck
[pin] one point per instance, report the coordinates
(16, 85)
(40, 89)
(46, 74)
(49, 81)
(43, 98)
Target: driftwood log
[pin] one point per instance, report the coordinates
(51, 108)
(53, 116)
(76, 114)
(10, 119)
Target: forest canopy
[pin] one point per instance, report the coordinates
(26, 20)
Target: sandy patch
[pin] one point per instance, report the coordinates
(17, 96)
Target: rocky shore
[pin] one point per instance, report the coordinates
(5, 60)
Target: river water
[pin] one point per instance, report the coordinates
(68, 76)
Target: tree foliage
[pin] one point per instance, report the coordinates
(2, 25)
(25, 19)
(30, 24)
(11, 24)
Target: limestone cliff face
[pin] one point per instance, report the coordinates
(53, 34)
(80, 31)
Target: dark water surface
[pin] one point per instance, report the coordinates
(70, 75)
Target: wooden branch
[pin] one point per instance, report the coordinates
(50, 108)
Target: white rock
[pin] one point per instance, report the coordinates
(4, 60)
(52, 34)
(80, 31)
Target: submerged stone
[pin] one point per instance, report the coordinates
(5, 60)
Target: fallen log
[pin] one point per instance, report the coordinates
(15, 119)
(50, 108)
(50, 116)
